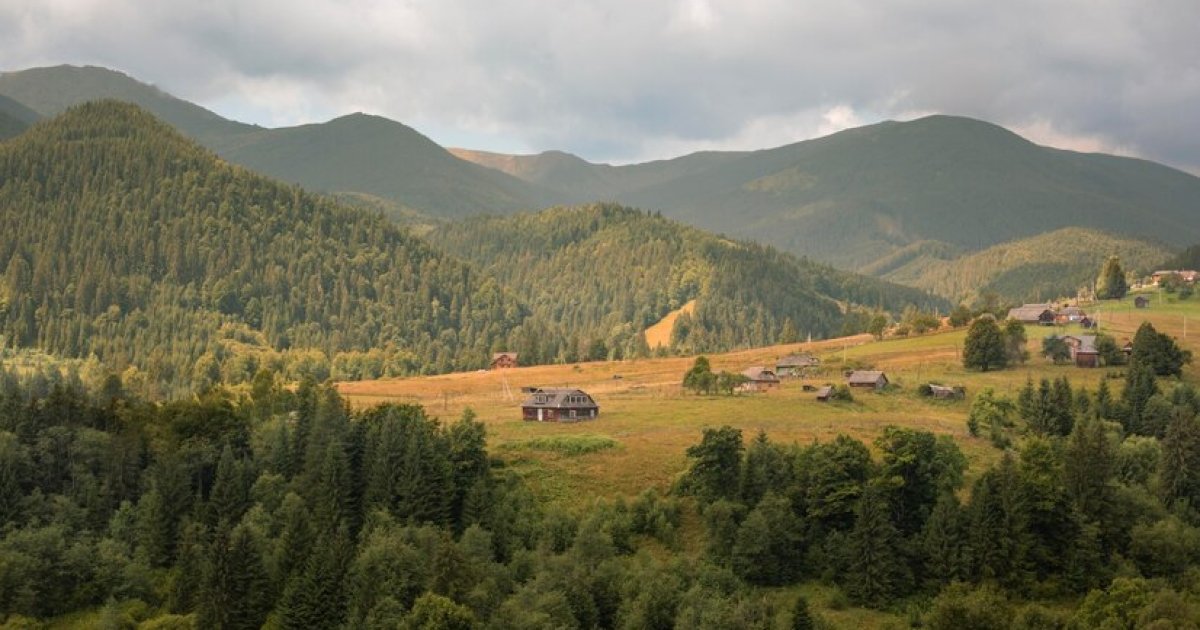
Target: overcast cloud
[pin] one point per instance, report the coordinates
(629, 80)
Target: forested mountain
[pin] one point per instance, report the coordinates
(607, 272)
(14, 118)
(125, 240)
(860, 195)
(1032, 269)
(50, 91)
(383, 158)
(576, 180)
(367, 155)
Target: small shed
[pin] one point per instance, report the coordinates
(504, 360)
(867, 378)
(1040, 314)
(554, 404)
(825, 393)
(759, 379)
(946, 393)
(1141, 301)
(794, 365)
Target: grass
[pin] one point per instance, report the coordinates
(569, 445)
(652, 421)
(659, 334)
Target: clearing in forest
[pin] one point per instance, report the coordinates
(659, 335)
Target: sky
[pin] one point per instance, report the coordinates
(632, 80)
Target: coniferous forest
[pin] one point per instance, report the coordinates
(286, 509)
(125, 241)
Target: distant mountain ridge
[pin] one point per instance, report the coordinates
(356, 153)
(863, 199)
(14, 118)
(860, 195)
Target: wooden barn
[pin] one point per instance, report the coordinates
(875, 379)
(553, 404)
(794, 365)
(504, 360)
(1083, 350)
(759, 379)
(1034, 314)
(1141, 301)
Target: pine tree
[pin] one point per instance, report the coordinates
(1140, 387)
(1111, 284)
(230, 496)
(802, 618)
(155, 530)
(1180, 467)
(943, 542)
(875, 572)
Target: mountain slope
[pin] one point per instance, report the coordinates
(14, 118)
(1026, 270)
(577, 180)
(857, 197)
(125, 240)
(609, 272)
(50, 91)
(383, 158)
(352, 154)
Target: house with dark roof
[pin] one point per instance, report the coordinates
(794, 365)
(1040, 314)
(504, 360)
(554, 404)
(875, 379)
(759, 379)
(1083, 350)
(1069, 315)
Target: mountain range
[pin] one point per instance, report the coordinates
(859, 199)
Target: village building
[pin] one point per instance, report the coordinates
(942, 392)
(759, 379)
(504, 360)
(1187, 275)
(825, 393)
(1040, 314)
(1083, 350)
(867, 378)
(553, 404)
(795, 365)
(1141, 301)
(1070, 315)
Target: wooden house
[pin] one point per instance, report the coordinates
(553, 404)
(1141, 301)
(1083, 350)
(759, 379)
(825, 393)
(1070, 315)
(1040, 314)
(794, 365)
(1187, 275)
(875, 379)
(504, 360)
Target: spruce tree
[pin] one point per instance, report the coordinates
(875, 572)
(1111, 284)
(802, 618)
(943, 542)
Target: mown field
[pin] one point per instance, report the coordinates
(647, 421)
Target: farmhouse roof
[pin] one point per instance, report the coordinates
(865, 377)
(498, 355)
(1087, 345)
(560, 398)
(825, 392)
(1029, 312)
(760, 374)
(797, 360)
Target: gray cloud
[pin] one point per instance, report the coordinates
(624, 80)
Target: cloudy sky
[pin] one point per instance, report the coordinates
(629, 80)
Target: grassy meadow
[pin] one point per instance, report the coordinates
(647, 421)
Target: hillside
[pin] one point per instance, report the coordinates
(50, 91)
(383, 158)
(1027, 270)
(14, 118)
(125, 240)
(856, 197)
(577, 180)
(351, 154)
(605, 273)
